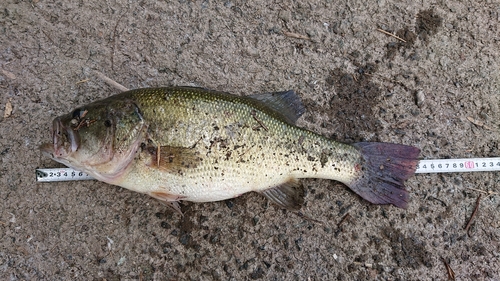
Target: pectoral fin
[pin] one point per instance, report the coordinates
(174, 159)
(289, 195)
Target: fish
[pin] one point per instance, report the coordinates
(194, 144)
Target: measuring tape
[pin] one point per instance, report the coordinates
(60, 174)
(458, 165)
(423, 167)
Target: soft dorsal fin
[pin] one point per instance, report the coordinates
(286, 103)
(289, 195)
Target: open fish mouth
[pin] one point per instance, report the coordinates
(65, 140)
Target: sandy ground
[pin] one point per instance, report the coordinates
(357, 84)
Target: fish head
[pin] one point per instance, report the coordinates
(101, 138)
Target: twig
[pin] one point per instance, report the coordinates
(158, 154)
(387, 79)
(50, 39)
(451, 273)
(343, 220)
(302, 215)
(296, 35)
(485, 192)
(110, 81)
(439, 200)
(82, 81)
(392, 35)
(244, 152)
(254, 115)
(473, 214)
(114, 40)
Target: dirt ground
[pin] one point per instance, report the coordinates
(439, 90)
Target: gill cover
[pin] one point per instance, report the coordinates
(101, 138)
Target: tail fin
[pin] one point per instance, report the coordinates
(386, 166)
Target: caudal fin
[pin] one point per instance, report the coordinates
(386, 166)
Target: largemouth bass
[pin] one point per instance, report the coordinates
(184, 143)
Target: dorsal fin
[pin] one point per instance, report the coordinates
(286, 103)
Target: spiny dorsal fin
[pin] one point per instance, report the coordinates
(289, 195)
(287, 103)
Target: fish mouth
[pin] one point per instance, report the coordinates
(65, 141)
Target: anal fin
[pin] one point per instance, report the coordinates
(289, 195)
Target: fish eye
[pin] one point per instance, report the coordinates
(79, 113)
(107, 123)
(77, 121)
(76, 114)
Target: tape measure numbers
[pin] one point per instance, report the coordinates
(458, 165)
(60, 174)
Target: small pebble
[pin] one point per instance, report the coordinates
(8, 109)
(121, 261)
(419, 98)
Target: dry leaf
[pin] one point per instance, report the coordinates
(478, 123)
(8, 74)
